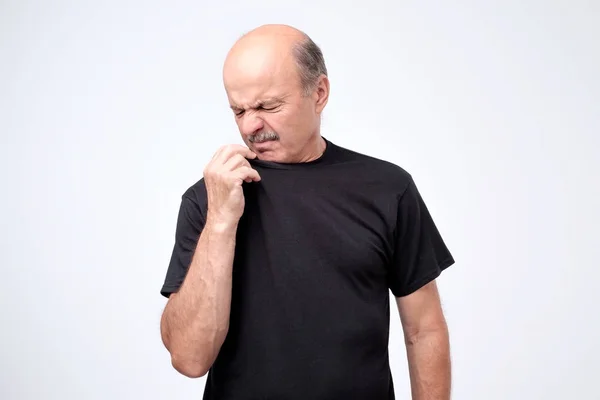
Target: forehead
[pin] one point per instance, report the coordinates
(254, 75)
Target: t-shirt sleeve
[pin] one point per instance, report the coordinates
(190, 222)
(420, 254)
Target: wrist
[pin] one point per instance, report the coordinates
(221, 224)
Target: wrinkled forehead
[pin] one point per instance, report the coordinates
(250, 73)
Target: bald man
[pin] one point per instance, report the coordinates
(288, 247)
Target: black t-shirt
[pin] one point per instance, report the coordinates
(319, 247)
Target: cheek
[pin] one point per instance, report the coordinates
(298, 117)
(280, 122)
(290, 120)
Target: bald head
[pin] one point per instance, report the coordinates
(279, 31)
(275, 49)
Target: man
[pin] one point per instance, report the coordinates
(287, 248)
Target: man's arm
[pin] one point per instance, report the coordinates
(427, 343)
(196, 318)
(195, 321)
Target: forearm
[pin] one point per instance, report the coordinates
(429, 364)
(196, 319)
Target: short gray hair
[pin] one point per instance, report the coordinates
(310, 63)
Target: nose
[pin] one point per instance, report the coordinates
(251, 123)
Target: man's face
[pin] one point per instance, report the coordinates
(275, 119)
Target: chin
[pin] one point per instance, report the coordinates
(268, 151)
(268, 155)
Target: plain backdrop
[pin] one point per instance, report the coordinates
(110, 110)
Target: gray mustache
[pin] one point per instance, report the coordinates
(263, 137)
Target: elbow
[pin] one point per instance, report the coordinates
(437, 331)
(189, 368)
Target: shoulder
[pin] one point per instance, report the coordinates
(377, 169)
(195, 196)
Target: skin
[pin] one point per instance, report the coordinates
(427, 343)
(265, 95)
(264, 92)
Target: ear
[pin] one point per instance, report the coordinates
(321, 94)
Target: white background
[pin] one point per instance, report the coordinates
(110, 110)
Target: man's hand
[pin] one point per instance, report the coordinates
(224, 176)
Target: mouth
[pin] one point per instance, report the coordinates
(263, 143)
(264, 146)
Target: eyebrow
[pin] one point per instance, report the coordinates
(260, 103)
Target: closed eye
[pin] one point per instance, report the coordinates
(239, 111)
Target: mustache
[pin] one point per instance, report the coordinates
(263, 137)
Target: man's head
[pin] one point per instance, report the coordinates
(276, 82)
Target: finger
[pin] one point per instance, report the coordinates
(247, 174)
(218, 153)
(232, 149)
(236, 161)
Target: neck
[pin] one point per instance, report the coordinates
(314, 149)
